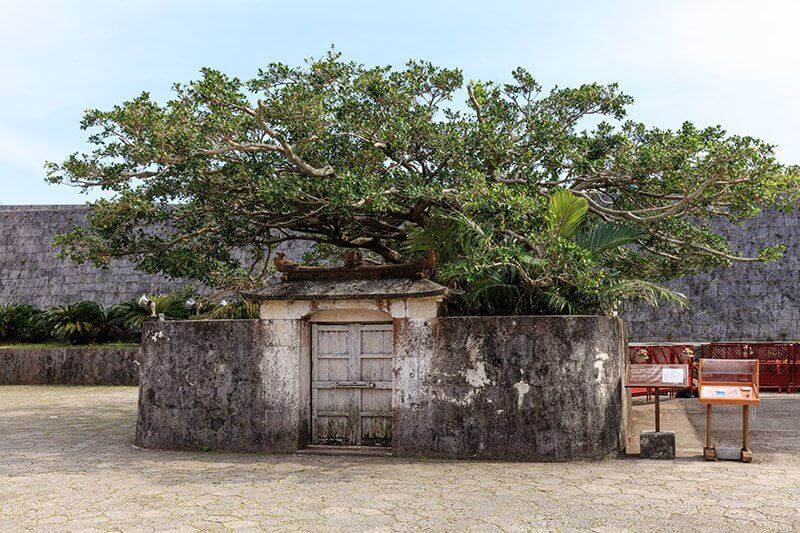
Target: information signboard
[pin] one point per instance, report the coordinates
(728, 382)
(662, 376)
(659, 377)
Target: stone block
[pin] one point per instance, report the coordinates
(657, 445)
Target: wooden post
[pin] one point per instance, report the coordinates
(709, 452)
(747, 455)
(658, 410)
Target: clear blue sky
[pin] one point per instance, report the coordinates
(728, 62)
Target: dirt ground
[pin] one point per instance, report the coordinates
(67, 462)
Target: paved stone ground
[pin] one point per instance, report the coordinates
(67, 463)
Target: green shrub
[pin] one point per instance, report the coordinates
(77, 323)
(22, 323)
(89, 322)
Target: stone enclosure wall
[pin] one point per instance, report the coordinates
(32, 273)
(533, 388)
(70, 365)
(746, 302)
(520, 388)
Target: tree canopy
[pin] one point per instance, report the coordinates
(536, 200)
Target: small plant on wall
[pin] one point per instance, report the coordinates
(687, 354)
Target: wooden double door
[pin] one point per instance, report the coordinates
(351, 384)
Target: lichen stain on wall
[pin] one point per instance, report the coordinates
(523, 388)
(599, 365)
(475, 376)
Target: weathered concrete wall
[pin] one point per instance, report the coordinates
(217, 385)
(749, 301)
(523, 388)
(70, 365)
(526, 388)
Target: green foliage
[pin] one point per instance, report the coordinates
(89, 322)
(565, 214)
(565, 271)
(76, 323)
(538, 199)
(237, 310)
(603, 236)
(171, 305)
(21, 323)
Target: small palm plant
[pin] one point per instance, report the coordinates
(76, 323)
(232, 310)
(21, 323)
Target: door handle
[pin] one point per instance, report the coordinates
(355, 384)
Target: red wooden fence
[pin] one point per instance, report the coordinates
(779, 362)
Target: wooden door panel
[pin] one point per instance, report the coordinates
(376, 369)
(332, 368)
(334, 430)
(376, 431)
(334, 400)
(376, 341)
(377, 401)
(351, 371)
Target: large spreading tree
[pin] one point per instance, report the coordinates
(537, 201)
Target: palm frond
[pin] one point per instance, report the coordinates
(171, 305)
(560, 304)
(76, 323)
(565, 213)
(609, 235)
(635, 292)
(233, 311)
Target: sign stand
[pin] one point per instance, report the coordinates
(729, 382)
(657, 444)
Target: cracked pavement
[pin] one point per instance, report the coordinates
(67, 462)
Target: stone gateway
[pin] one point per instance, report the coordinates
(372, 363)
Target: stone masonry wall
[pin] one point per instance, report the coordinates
(32, 273)
(70, 365)
(746, 302)
(519, 388)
